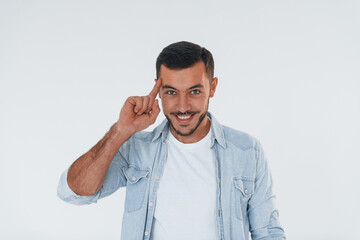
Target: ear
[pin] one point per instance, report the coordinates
(213, 86)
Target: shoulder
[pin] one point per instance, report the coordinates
(138, 142)
(244, 145)
(240, 139)
(233, 138)
(144, 136)
(148, 136)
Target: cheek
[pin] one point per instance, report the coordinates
(203, 101)
(165, 104)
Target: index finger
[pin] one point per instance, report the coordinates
(156, 88)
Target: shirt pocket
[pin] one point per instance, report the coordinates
(135, 187)
(243, 189)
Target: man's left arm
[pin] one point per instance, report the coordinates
(262, 212)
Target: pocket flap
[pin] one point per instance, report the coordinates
(245, 185)
(134, 174)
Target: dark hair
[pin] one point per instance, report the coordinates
(182, 55)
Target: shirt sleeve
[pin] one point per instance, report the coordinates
(262, 212)
(114, 179)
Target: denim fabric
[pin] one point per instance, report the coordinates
(245, 199)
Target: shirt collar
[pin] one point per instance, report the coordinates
(216, 127)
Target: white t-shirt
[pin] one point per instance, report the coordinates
(185, 205)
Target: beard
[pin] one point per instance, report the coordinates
(201, 118)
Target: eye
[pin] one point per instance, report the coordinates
(170, 92)
(195, 92)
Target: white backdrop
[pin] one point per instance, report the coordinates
(289, 74)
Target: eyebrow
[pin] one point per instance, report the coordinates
(168, 86)
(195, 86)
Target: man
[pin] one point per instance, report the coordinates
(189, 178)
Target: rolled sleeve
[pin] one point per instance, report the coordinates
(262, 212)
(65, 193)
(114, 180)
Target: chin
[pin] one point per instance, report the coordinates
(189, 125)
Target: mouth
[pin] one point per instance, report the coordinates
(184, 118)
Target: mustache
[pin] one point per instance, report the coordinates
(184, 113)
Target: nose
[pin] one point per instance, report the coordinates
(183, 103)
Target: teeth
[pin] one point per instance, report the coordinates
(184, 117)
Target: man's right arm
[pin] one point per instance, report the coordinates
(87, 174)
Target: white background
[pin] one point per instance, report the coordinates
(288, 74)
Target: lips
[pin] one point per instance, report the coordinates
(184, 118)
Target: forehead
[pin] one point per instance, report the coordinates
(186, 77)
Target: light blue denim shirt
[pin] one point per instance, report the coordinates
(245, 198)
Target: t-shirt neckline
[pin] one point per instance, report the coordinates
(201, 142)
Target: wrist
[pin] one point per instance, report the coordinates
(122, 130)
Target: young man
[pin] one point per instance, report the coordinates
(191, 177)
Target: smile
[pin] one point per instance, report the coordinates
(184, 117)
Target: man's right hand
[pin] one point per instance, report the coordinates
(87, 173)
(140, 112)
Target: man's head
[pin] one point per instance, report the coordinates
(182, 55)
(186, 71)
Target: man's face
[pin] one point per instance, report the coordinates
(185, 97)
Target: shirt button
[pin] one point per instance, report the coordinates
(246, 191)
(133, 179)
(146, 233)
(150, 204)
(163, 153)
(157, 177)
